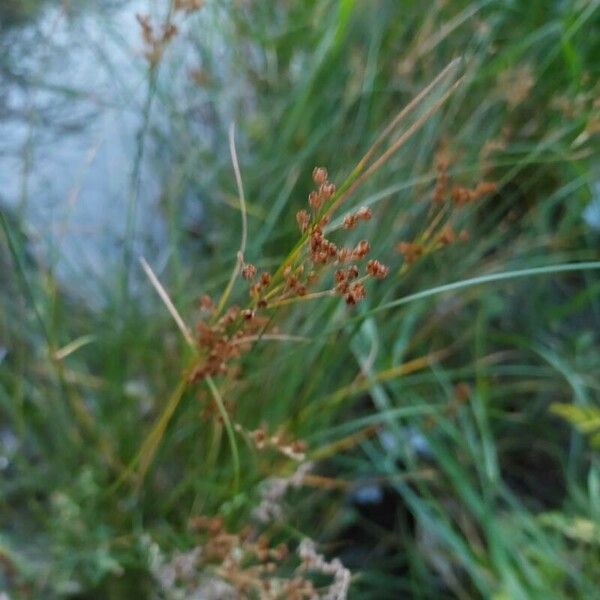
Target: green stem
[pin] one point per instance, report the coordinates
(230, 433)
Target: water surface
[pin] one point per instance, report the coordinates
(74, 87)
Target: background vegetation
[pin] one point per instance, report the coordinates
(443, 466)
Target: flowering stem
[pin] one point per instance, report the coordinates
(305, 298)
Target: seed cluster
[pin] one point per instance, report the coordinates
(353, 291)
(323, 252)
(325, 189)
(249, 565)
(320, 252)
(462, 195)
(224, 339)
(352, 220)
(156, 39)
(411, 251)
(244, 560)
(248, 271)
(294, 449)
(446, 199)
(376, 269)
(294, 279)
(458, 194)
(257, 287)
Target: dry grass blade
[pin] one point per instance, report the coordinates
(73, 346)
(363, 384)
(394, 147)
(408, 109)
(243, 209)
(150, 445)
(160, 290)
(270, 337)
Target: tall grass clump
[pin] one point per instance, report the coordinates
(372, 379)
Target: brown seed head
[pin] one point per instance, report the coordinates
(410, 251)
(298, 446)
(485, 187)
(259, 436)
(311, 277)
(361, 249)
(230, 315)
(355, 293)
(331, 249)
(377, 270)
(352, 272)
(342, 288)
(447, 235)
(315, 200)
(350, 222)
(291, 281)
(248, 271)
(326, 190)
(364, 213)
(169, 31)
(205, 303)
(461, 195)
(344, 255)
(319, 175)
(303, 219)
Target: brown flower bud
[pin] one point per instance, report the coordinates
(361, 249)
(319, 175)
(377, 270)
(303, 219)
(248, 271)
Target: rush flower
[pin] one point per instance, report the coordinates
(377, 270)
(248, 271)
(361, 249)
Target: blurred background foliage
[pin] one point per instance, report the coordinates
(448, 477)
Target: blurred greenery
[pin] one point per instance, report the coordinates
(15, 11)
(478, 489)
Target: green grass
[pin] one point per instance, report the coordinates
(505, 503)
